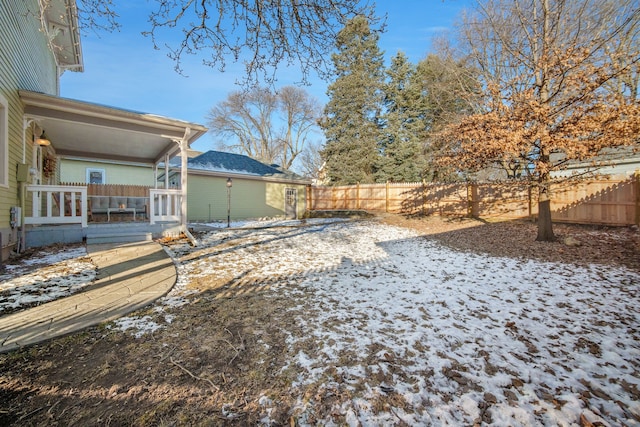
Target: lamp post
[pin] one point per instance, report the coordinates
(229, 185)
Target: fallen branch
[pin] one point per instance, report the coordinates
(242, 347)
(27, 415)
(53, 406)
(194, 376)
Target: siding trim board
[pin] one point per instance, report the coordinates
(240, 175)
(4, 142)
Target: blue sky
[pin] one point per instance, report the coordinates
(122, 69)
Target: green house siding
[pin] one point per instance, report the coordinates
(25, 63)
(25, 59)
(250, 199)
(75, 171)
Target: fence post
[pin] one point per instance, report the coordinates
(637, 185)
(333, 198)
(424, 197)
(386, 198)
(358, 195)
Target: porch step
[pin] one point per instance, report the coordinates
(119, 237)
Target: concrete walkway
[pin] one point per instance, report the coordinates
(130, 276)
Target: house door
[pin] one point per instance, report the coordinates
(291, 203)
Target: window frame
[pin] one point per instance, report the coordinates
(91, 171)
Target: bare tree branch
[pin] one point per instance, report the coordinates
(267, 126)
(261, 34)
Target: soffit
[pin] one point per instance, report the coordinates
(60, 24)
(82, 129)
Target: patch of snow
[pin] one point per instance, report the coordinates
(45, 276)
(271, 222)
(140, 325)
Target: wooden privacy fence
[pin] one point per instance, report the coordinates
(594, 201)
(113, 189)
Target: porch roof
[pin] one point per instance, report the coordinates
(88, 130)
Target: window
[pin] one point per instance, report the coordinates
(4, 142)
(96, 176)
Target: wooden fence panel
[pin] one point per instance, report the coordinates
(608, 202)
(113, 189)
(319, 198)
(372, 197)
(501, 200)
(447, 199)
(407, 198)
(595, 201)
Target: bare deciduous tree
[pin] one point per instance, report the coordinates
(311, 161)
(267, 126)
(300, 114)
(245, 118)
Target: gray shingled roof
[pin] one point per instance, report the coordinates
(218, 161)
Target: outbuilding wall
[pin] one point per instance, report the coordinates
(250, 198)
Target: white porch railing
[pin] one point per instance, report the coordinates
(57, 204)
(164, 205)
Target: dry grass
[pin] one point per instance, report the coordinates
(516, 239)
(225, 353)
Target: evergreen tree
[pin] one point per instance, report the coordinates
(404, 127)
(449, 89)
(352, 115)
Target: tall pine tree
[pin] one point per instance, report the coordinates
(352, 115)
(404, 126)
(449, 89)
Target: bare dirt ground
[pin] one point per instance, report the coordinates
(223, 352)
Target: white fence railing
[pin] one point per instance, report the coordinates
(165, 205)
(57, 204)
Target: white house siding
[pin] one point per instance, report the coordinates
(74, 171)
(250, 198)
(25, 63)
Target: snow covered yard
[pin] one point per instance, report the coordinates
(46, 275)
(388, 327)
(331, 322)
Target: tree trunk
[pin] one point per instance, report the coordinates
(545, 226)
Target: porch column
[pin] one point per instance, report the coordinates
(166, 169)
(184, 157)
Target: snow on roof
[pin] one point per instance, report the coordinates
(231, 162)
(218, 161)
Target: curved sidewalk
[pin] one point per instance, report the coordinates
(129, 276)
